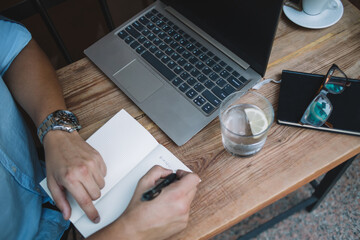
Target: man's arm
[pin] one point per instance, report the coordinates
(70, 162)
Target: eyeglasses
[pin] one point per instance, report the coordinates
(320, 108)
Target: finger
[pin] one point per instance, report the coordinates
(98, 179)
(82, 197)
(153, 175)
(187, 181)
(92, 187)
(59, 197)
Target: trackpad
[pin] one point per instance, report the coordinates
(138, 80)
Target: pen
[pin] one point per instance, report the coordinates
(155, 191)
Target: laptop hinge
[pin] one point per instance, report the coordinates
(208, 38)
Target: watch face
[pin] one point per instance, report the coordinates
(66, 117)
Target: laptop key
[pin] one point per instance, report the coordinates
(162, 46)
(156, 30)
(143, 20)
(175, 56)
(158, 65)
(219, 93)
(203, 57)
(217, 68)
(157, 41)
(216, 58)
(122, 34)
(184, 87)
(192, 59)
(181, 62)
(141, 39)
(171, 64)
(132, 31)
(162, 35)
(185, 75)
(150, 25)
(188, 66)
(196, 52)
(209, 84)
(202, 78)
(147, 44)
(233, 81)
(165, 59)
(199, 100)
(145, 32)
(135, 44)
(236, 74)
(224, 74)
(199, 87)
(228, 89)
(140, 49)
(177, 81)
(186, 54)
(210, 62)
(159, 54)
(221, 82)
(191, 81)
(206, 71)
(211, 98)
(228, 68)
(138, 26)
(151, 36)
(153, 49)
(213, 76)
(191, 94)
(178, 69)
(195, 72)
(128, 39)
(207, 108)
(243, 80)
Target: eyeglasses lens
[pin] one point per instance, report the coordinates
(318, 111)
(337, 82)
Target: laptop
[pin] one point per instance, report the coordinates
(178, 59)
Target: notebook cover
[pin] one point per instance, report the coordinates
(298, 89)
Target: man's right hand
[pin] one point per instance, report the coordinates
(159, 218)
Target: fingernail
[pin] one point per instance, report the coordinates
(97, 220)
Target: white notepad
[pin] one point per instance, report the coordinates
(129, 151)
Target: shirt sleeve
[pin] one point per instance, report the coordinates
(13, 38)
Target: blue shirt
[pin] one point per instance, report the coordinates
(21, 197)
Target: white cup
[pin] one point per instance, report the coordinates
(315, 7)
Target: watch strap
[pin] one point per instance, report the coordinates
(50, 123)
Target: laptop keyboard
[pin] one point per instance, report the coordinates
(201, 76)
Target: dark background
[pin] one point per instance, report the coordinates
(80, 23)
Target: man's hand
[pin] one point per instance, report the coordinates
(73, 165)
(159, 218)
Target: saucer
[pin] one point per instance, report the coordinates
(325, 19)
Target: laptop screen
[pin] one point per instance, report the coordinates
(246, 27)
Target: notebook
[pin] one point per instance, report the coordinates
(178, 59)
(298, 89)
(129, 151)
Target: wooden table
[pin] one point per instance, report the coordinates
(234, 188)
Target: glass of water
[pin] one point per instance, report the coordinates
(245, 119)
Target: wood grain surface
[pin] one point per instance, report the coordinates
(234, 188)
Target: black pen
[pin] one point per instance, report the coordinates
(155, 191)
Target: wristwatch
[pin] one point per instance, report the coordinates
(59, 120)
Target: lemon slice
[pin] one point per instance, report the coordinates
(257, 120)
